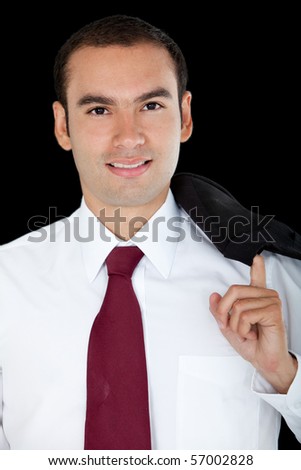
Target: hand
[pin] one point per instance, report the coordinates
(250, 317)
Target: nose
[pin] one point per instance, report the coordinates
(127, 133)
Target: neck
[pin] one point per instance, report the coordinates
(125, 222)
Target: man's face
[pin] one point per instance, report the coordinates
(124, 124)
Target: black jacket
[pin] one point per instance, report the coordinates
(237, 232)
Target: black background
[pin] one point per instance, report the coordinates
(243, 65)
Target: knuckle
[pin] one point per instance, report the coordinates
(276, 307)
(237, 306)
(274, 293)
(276, 304)
(244, 317)
(274, 310)
(234, 288)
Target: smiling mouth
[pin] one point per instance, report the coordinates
(129, 166)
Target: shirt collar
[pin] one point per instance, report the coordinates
(156, 239)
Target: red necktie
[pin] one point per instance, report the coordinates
(117, 392)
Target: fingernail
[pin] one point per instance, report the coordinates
(220, 324)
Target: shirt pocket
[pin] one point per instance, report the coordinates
(216, 408)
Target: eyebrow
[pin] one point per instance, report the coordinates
(108, 101)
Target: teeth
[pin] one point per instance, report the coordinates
(121, 165)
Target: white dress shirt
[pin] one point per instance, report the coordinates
(203, 395)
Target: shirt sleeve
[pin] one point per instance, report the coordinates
(288, 405)
(3, 442)
(284, 275)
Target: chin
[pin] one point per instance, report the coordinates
(136, 198)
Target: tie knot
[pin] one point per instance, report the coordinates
(123, 260)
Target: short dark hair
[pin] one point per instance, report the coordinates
(120, 30)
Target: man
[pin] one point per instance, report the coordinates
(221, 339)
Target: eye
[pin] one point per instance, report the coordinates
(152, 106)
(99, 111)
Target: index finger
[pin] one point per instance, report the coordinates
(258, 277)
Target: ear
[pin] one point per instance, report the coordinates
(187, 125)
(60, 126)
